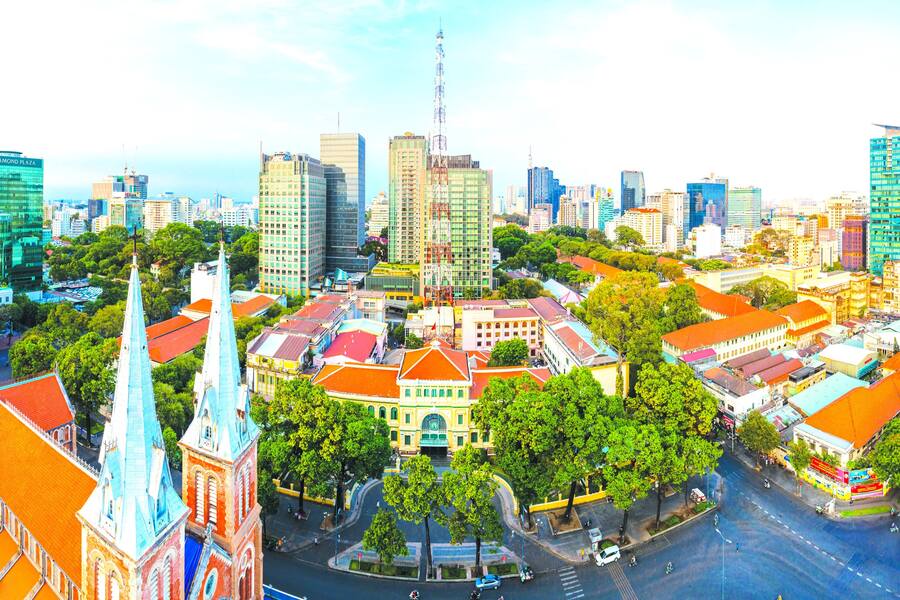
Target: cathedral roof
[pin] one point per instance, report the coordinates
(134, 502)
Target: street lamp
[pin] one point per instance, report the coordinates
(724, 541)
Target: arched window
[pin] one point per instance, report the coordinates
(206, 430)
(99, 580)
(167, 579)
(154, 585)
(198, 490)
(371, 410)
(393, 413)
(382, 412)
(240, 498)
(247, 495)
(212, 497)
(113, 587)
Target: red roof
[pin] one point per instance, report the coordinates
(355, 345)
(514, 313)
(302, 326)
(359, 379)
(250, 308)
(331, 298)
(44, 486)
(164, 327)
(435, 362)
(729, 305)
(481, 358)
(465, 303)
(591, 266)
(574, 342)
(803, 311)
(710, 333)
(482, 377)
(42, 399)
(860, 413)
(641, 209)
(319, 311)
(808, 329)
(780, 372)
(548, 309)
(291, 347)
(164, 348)
(893, 363)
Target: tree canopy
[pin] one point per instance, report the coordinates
(758, 434)
(628, 237)
(384, 537)
(766, 292)
(31, 355)
(509, 353)
(85, 369)
(885, 457)
(680, 308)
(469, 490)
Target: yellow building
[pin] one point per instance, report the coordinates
(276, 356)
(398, 281)
(427, 399)
(842, 295)
(890, 286)
(801, 250)
(806, 320)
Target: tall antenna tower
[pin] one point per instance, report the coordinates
(438, 256)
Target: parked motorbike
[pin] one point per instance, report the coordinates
(766, 484)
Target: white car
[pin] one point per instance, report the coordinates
(607, 555)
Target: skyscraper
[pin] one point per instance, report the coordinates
(672, 206)
(21, 220)
(633, 193)
(540, 186)
(568, 212)
(853, 242)
(291, 223)
(343, 156)
(379, 215)
(745, 207)
(407, 162)
(126, 210)
(158, 212)
(707, 202)
(884, 199)
(130, 183)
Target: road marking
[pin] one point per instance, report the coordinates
(869, 580)
(569, 576)
(573, 592)
(809, 542)
(571, 584)
(576, 597)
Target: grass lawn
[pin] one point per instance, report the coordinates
(666, 524)
(701, 506)
(606, 544)
(453, 572)
(868, 510)
(382, 569)
(503, 569)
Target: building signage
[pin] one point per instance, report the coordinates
(21, 162)
(826, 469)
(867, 487)
(861, 475)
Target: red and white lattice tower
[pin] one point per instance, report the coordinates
(438, 256)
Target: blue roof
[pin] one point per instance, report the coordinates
(818, 396)
(192, 550)
(584, 333)
(556, 288)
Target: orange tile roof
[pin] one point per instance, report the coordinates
(809, 328)
(591, 266)
(359, 379)
(481, 358)
(42, 399)
(802, 311)
(36, 469)
(860, 413)
(723, 304)
(164, 327)
(203, 305)
(46, 593)
(710, 333)
(175, 343)
(435, 362)
(8, 547)
(19, 580)
(251, 307)
(893, 363)
(482, 377)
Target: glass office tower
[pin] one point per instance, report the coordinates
(21, 220)
(745, 207)
(884, 199)
(343, 157)
(707, 202)
(633, 193)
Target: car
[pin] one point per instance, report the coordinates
(697, 496)
(488, 582)
(525, 573)
(608, 555)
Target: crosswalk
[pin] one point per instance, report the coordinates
(571, 586)
(622, 583)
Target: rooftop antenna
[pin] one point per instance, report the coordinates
(339, 121)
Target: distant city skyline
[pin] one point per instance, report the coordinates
(206, 98)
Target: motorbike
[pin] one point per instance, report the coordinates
(414, 595)
(766, 484)
(525, 573)
(894, 528)
(669, 568)
(819, 510)
(633, 561)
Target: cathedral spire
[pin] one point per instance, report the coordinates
(222, 425)
(134, 502)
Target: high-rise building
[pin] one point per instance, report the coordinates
(183, 210)
(540, 186)
(735, 237)
(568, 212)
(126, 210)
(21, 221)
(96, 207)
(379, 215)
(890, 285)
(291, 223)
(884, 199)
(343, 156)
(706, 240)
(853, 243)
(707, 202)
(602, 209)
(672, 206)
(647, 222)
(633, 192)
(128, 183)
(158, 213)
(470, 191)
(541, 218)
(407, 162)
(801, 251)
(745, 207)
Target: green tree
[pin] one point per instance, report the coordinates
(758, 434)
(885, 457)
(700, 456)
(632, 455)
(714, 264)
(108, 321)
(209, 230)
(509, 246)
(173, 451)
(800, 455)
(766, 292)
(363, 448)
(32, 354)
(520, 421)
(413, 342)
(179, 373)
(469, 488)
(680, 308)
(85, 369)
(418, 498)
(623, 311)
(174, 409)
(628, 237)
(384, 537)
(10, 314)
(64, 325)
(668, 467)
(374, 247)
(509, 353)
(267, 497)
(671, 396)
(520, 288)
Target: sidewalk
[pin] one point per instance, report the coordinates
(809, 495)
(575, 547)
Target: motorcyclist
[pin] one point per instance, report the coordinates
(633, 560)
(414, 595)
(766, 483)
(669, 567)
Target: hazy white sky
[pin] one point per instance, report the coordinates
(778, 96)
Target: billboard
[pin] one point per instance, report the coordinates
(826, 469)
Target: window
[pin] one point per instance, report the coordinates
(407, 392)
(198, 490)
(459, 393)
(213, 497)
(406, 440)
(459, 419)
(406, 418)
(441, 393)
(427, 392)
(167, 579)
(382, 412)
(473, 437)
(209, 588)
(154, 585)
(393, 436)
(99, 580)
(371, 410)
(460, 440)
(394, 413)
(247, 496)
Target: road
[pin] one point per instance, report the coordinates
(773, 545)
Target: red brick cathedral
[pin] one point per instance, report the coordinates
(69, 532)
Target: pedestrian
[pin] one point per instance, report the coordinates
(737, 547)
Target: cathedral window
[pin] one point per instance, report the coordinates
(154, 585)
(247, 487)
(99, 580)
(113, 587)
(212, 496)
(198, 491)
(167, 579)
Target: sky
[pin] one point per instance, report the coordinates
(774, 94)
